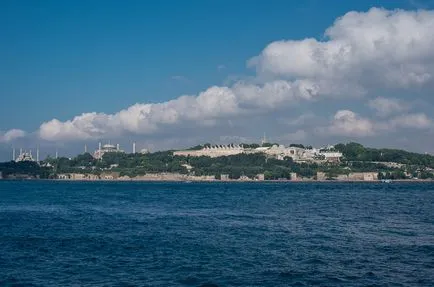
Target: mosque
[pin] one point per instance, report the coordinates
(25, 156)
(107, 148)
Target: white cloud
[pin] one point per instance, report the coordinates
(386, 106)
(144, 118)
(414, 121)
(348, 123)
(11, 135)
(202, 110)
(391, 48)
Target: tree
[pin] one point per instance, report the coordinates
(297, 145)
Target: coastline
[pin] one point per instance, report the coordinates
(219, 181)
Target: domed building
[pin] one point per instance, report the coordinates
(107, 148)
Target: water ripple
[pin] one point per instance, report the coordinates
(210, 234)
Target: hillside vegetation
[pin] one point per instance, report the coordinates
(356, 158)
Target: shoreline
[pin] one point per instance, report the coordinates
(218, 181)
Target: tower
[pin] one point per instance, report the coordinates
(85, 148)
(37, 153)
(13, 153)
(264, 139)
(134, 147)
(57, 154)
(117, 147)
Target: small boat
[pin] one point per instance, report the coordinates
(386, 180)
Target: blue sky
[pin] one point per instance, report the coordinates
(59, 59)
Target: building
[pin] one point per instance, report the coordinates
(276, 151)
(78, 176)
(244, 177)
(213, 151)
(363, 176)
(331, 156)
(107, 148)
(109, 175)
(320, 175)
(260, 177)
(24, 156)
(224, 177)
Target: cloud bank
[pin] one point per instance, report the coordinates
(385, 48)
(351, 124)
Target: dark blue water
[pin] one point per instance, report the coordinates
(180, 234)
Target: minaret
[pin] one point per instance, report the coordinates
(37, 153)
(99, 146)
(134, 147)
(57, 154)
(85, 148)
(13, 153)
(21, 151)
(117, 147)
(264, 139)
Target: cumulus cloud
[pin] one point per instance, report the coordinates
(414, 121)
(11, 135)
(204, 109)
(386, 106)
(360, 51)
(351, 124)
(392, 48)
(348, 123)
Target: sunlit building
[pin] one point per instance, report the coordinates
(107, 148)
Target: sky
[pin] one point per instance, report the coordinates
(171, 74)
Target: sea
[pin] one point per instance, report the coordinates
(55, 233)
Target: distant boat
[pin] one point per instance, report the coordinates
(386, 180)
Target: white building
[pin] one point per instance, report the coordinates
(277, 151)
(24, 156)
(213, 151)
(107, 148)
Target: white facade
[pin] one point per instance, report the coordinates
(276, 151)
(213, 151)
(24, 156)
(107, 148)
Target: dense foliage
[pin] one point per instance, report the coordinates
(357, 152)
(23, 170)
